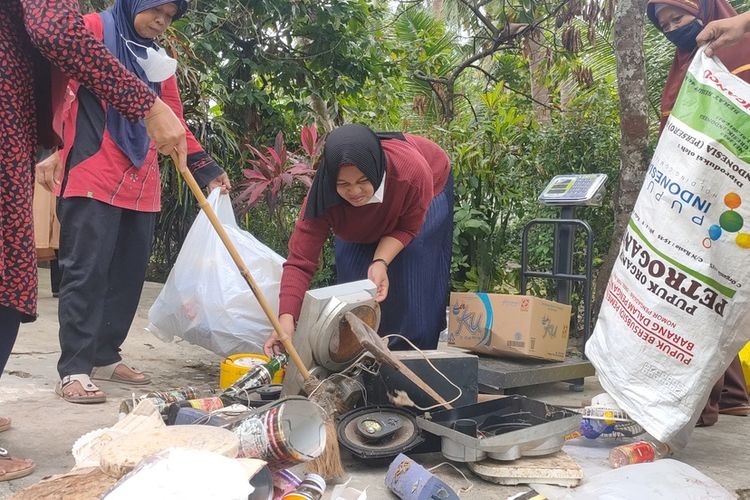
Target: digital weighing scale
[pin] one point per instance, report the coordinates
(568, 192)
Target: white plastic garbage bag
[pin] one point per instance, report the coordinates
(658, 480)
(205, 300)
(186, 474)
(675, 312)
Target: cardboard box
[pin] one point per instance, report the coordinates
(516, 325)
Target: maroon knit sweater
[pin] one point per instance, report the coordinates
(416, 170)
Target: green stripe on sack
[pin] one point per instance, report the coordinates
(724, 290)
(706, 109)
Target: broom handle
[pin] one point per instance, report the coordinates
(219, 227)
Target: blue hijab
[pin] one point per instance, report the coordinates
(131, 137)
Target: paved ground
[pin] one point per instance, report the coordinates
(45, 427)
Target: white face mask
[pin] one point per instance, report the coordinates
(157, 65)
(377, 197)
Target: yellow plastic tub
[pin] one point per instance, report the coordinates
(236, 365)
(745, 360)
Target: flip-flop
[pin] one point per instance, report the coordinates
(4, 423)
(737, 411)
(87, 386)
(108, 374)
(26, 466)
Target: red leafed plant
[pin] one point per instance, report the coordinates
(276, 169)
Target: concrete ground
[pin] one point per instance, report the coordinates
(45, 427)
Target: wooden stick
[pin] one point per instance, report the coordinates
(219, 227)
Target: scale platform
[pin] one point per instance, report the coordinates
(499, 375)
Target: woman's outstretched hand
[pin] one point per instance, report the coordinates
(273, 345)
(378, 274)
(723, 32)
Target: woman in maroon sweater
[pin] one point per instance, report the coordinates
(388, 199)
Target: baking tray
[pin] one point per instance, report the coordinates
(507, 429)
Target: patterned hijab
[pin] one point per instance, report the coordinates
(734, 58)
(347, 145)
(118, 23)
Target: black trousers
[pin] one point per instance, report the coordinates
(10, 320)
(104, 252)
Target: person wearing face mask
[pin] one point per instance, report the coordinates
(388, 200)
(106, 177)
(682, 21)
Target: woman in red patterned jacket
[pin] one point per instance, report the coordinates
(110, 194)
(33, 33)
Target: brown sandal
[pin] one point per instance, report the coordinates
(14, 468)
(108, 373)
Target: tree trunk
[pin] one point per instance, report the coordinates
(631, 86)
(539, 90)
(322, 116)
(437, 8)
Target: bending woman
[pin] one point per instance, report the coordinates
(388, 200)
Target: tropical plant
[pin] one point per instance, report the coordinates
(277, 169)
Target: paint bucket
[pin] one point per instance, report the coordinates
(410, 481)
(236, 365)
(289, 432)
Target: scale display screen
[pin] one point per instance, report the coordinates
(574, 189)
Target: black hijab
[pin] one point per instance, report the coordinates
(347, 145)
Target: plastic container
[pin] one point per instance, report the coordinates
(745, 360)
(257, 376)
(592, 429)
(311, 488)
(235, 366)
(410, 481)
(638, 453)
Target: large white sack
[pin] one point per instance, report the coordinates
(205, 300)
(675, 311)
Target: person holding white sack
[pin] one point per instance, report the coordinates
(676, 306)
(724, 32)
(681, 21)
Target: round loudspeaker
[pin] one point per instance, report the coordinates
(378, 432)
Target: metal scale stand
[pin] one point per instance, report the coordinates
(567, 192)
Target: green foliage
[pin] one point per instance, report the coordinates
(502, 164)
(250, 69)
(493, 165)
